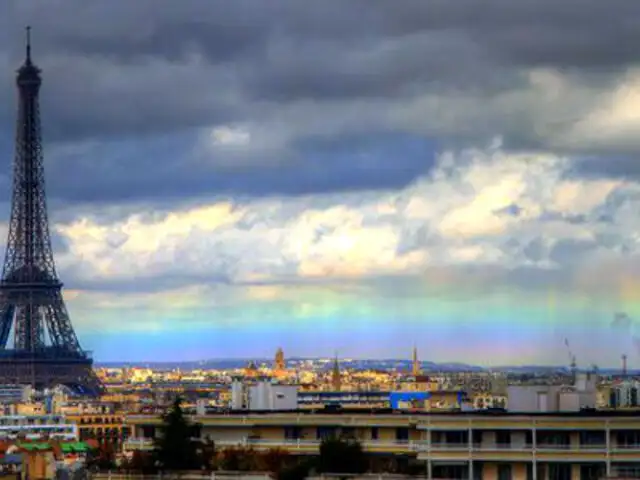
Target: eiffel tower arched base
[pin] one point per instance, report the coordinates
(42, 372)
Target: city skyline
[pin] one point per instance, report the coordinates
(214, 193)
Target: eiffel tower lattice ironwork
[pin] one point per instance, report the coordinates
(38, 345)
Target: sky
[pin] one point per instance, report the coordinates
(360, 176)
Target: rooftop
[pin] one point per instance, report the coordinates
(456, 413)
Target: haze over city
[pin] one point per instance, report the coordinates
(225, 178)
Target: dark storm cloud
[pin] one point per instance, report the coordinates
(612, 166)
(158, 69)
(97, 53)
(130, 172)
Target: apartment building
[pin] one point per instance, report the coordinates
(33, 427)
(483, 444)
(105, 428)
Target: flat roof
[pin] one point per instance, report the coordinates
(413, 413)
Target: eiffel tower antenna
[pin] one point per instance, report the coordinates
(38, 345)
(28, 30)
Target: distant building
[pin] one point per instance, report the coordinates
(314, 399)
(554, 398)
(427, 401)
(34, 427)
(263, 395)
(624, 395)
(485, 400)
(279, 363)
(16, 393)
(251, 370)
(418, 383)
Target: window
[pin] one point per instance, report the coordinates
(323, 433)
(348, 432)
(553, 438)
(628, 471)
(478, 470)
(559, 471)
(628, 438)
(593, 437)
(456, 437)
(402, 434)
(374, 433)
(292, 433)
(504, 471)
(528, 439)
(503, 438)
(613, 399)
(596, 471)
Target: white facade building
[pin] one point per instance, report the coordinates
(553, 398)
(37, 426)
(264, 395)
(625, 395)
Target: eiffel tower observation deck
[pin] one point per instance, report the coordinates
(38, 345)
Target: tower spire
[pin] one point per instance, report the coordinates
(336, 380)
(415, 366)
(28, 32)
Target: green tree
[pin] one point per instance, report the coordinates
(273, 460)
(297, 471)
(102, 458)
(238, 459)
(341, 456)
(177, 447)
(139, 462)
(208, 454)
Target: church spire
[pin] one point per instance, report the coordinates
(416, 363)
(336, 380)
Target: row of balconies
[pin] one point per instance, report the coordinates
(410, 445)
(38, 428)
(435, 423)
(100, 420)
(9, 424)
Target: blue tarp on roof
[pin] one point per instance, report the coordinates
(396, 397)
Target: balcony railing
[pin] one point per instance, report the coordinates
(409, 445)
(137, 444)
(625, 448)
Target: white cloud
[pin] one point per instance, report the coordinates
(239, 146)
(614, 122)
(465, 212)
(576, 197)
(231, 136)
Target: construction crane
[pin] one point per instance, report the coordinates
(572, 357)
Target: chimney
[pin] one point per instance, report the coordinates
(624, 365)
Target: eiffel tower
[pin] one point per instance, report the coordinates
(38, 345)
